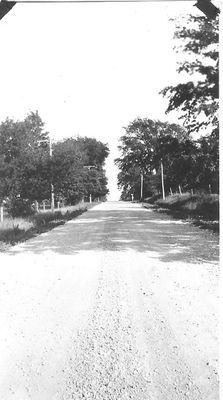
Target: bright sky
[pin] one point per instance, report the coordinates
(89, 69)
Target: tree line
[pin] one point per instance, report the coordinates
(30, 167)
(150, 148)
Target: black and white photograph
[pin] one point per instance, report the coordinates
(109, 199)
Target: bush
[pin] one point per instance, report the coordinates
(204, 205)
(41, 219)
(152, 199)
(208, 206)
(18, 207)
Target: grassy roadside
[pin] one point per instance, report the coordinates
(15, 230)
(200, 209)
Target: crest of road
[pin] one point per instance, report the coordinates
(120, 303)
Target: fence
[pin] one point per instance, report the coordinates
(45, 206)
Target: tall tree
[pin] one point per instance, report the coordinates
(24, 158)
(197, 99)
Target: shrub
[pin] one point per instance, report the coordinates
(152, 199)
(18, 207)
(208, 205)
(204, 205)
(175, 201)
(42, 219)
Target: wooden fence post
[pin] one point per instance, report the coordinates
(36, 206)
(1, 213)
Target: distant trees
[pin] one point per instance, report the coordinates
(188, 163)
(77, 166)
(143, 146)
(27, 170)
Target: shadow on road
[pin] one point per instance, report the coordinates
(128, 229)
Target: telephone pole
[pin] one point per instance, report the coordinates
(162, 179)
(51, 185)
(141, 189)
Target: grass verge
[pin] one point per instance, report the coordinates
(15, 230)
(201, 209)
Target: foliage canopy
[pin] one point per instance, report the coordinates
(192, 164)
(197, 99)
(27, 170)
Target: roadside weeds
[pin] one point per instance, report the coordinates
(16, 230)
(197, 220)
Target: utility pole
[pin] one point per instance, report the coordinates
(141, 191)
(51, 185)
(162, 178)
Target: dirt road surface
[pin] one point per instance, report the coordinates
(118, 304)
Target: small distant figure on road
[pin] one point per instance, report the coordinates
(132, 197)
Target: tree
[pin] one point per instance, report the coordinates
(129, 182)
(146, 142)
(77, 169)
(197, 99)
(24, 158)
(95, 183)
(27, 170)
(207, 163)
(137, 145)
(179, 160)
(95, 151)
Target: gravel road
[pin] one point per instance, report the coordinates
(118, 304)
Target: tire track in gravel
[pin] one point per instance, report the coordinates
(128, 350)
(170, 375)
(105, 363)
(178, 349)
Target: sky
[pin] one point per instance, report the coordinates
(91, 68)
